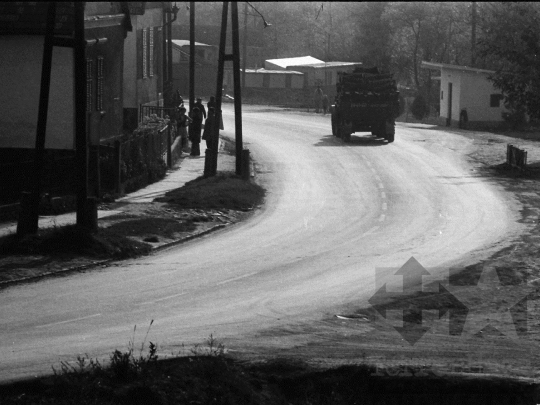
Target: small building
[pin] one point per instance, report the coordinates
(468, 98)
(316, 72)
(267, 79)
(206, 66)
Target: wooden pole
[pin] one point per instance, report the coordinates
(29, 216)
(85, 214)
(191, 56)
(237, 88)
(244, 50)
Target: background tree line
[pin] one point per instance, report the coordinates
(398, 36)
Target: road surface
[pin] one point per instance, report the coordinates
(334, 213)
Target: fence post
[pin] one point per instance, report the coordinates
(117, 163)
(169, 146)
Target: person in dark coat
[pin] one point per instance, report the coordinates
(177, 99)
(195, 132)
(209, 127)
(200, 106)
(182, 121)
(318, 99)
(325, 103)
(212, 104)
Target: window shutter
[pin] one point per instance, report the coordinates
(99, 95)
(151, 52)
(139, 55)
(144, 53)
(89, 85)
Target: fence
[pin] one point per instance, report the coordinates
(516, 158)
(137, 161)
(148, 110)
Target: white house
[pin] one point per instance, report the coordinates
(468, 98)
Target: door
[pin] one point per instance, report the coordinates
(449, 116)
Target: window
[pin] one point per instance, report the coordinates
(88, 85)
(144, 53)
(151, 54)
(495, 100)
(99, 74)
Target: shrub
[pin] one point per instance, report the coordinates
(419, 108)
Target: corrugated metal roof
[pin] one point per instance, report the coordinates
(185, 42)
(282, 72)
(432, 65)
(301, 60)
(333, 64)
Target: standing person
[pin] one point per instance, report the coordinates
(318, 98)
(195, 132)
(325, 103)
(200, 106)
(209, 127)
(212, 104)
(177, 99)
(182, 121)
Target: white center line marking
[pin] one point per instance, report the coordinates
(163, 299)
(381, 185)
(237, 278)
(382, 217)
(371, 230)
(384, 206)
(68, 321)
(383, 194)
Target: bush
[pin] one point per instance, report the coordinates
(419, 108)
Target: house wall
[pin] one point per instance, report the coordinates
(477, 102)
(277, 80)
(454, 78)
(471, 91)
(22, 57)
(205, 80)
(297, 81)
(254, 80)
(140, 88)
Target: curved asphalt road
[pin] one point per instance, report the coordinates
(333, 214)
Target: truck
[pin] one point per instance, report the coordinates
(367, 100)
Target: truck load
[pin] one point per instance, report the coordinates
(367, 100)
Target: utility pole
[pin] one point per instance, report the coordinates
(191, 56)
(212, 153)
(29, 216)
(86, 208)
(244, 50)
(473, 35)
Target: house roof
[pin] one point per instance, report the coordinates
(185, 42)
(281, 72)
(439, 66)
(330, 64)
(301, 60)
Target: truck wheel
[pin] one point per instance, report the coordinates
(346, 130)
(390, 130)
